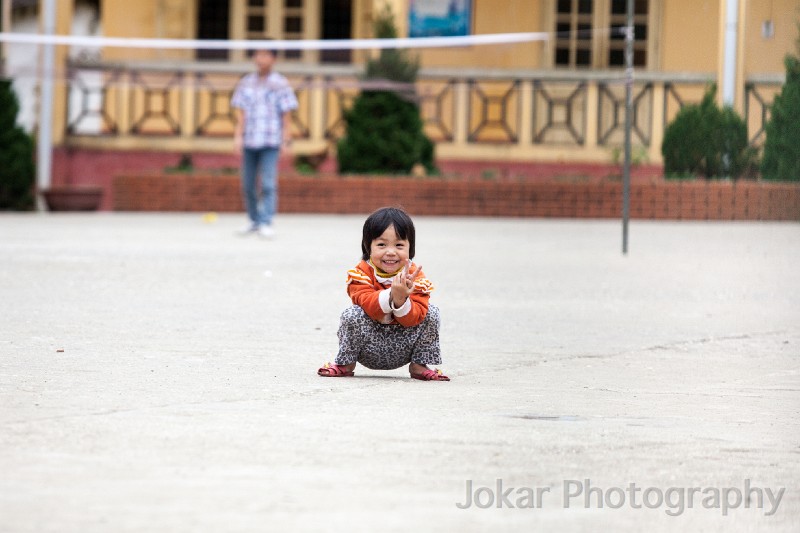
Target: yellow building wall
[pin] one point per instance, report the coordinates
(690, 32)
(517, 16)
(762, 54)
(169, 19)
(488, 16)
(690, 35)
(122, 18)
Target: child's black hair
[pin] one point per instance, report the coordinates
(381, 219)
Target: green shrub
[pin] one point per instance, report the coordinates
(17, 172)
(704, 140)
(384, 128)
(384, 135)
(393, 63)
(184, 166)
(782, 145)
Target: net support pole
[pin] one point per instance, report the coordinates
(626, 173)
(44, 141)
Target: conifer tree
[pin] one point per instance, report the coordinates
(384, 128)
(782, 145)
(16, 155)
(704, 140)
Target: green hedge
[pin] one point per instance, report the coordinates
(782, 145)
(17, 173)
(704, 140)
(384, 134)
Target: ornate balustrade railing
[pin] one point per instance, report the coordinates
(525, 115)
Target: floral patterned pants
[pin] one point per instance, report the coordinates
(387, 346)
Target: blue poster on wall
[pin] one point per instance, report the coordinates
(439, 18)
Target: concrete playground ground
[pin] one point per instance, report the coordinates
(158, 373)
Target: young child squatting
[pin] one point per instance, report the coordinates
(391, 323)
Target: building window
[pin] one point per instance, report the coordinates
(574, 21)
(213, 18)
(337, 23)
(257, 19)
(618, 20)
(588, 33)
(276, 19)
(293, 25)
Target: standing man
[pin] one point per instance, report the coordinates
(262, 103)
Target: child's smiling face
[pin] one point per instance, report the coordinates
(389, 252)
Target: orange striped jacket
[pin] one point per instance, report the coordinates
(372, 294)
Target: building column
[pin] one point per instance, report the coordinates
(236, 28)
(461, 125)
(526, 111)
(592, 117)
(64, 14)
(738, 103)
(658, 124)
(5, 27)
(312, 19)
(729, 66)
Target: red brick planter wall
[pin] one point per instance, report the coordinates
(650, 199)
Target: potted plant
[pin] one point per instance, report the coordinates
(73, 197)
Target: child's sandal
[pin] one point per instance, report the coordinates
(430, 375)
(334, 371)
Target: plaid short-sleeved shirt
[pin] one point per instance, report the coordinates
(264, 101)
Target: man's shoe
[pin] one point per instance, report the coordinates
(248, 229)
(266, 232)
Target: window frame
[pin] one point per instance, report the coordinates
(601, 43)
(276, 14)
